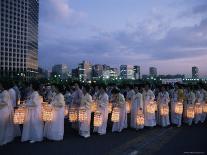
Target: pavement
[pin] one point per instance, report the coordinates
(157, 140)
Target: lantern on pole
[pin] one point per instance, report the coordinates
(151, 107)
(93, 106)
(47, 113)
(179, 108)
(82, 115)
(128, 106)
(205, 108)
(109, 107)
(98, 119)
(66, 110)
(190, 112)
(198, 109)
(164, 110)
(19, 115)
(140, 118)
(115, 115)
(73, 114)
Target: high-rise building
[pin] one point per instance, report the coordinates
(85, 71)
(62, 70)
(137, 72)
(97, 71)
(127, 72)
(153, 72)
(195, 72)
(19, 37)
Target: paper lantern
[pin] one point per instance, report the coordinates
(47, 113)
(205, 108)
(66, 110)
(179, 108)
(19, 115)
(164, 110)
(93, 106)
(109, 107)
(73, 114)
(190, 112)
(151, 107)
(97, 119)
(198, 108)
(115, 114)
(140, 118)
(128, 106)
(82, 115)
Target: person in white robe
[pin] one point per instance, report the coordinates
(203, 116)
(137, 104)
(119, 101)
(76, 101)
(148, 97)
(199, 100)
(8, 131)
(177, 96)
(33, 125)
(102, 102)
(13, 97)
(86, 101)
(163, 100)
(189, 102)
(54, 130)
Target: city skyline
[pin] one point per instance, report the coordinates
(168, 35)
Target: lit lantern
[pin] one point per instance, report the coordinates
(164, 110)
(97, 119)
(93, 106)
(151, 107)
(66, 110)
(19, 115)
(73, 114)
(179, 108)
(82, 115)
(128, 106)
(205, 108)
(41, 99)
(190, 112)
(109, 107)
(115, 114)
(198, 109)
(47, 113)
(140, 118)
(18, 102)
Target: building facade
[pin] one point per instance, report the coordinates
(126, 72)
(153, 72)
(137, 73)
(195, 72)
(19, 38)
(85, 71)
(61, 70)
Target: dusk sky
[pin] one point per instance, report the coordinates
(168, 34)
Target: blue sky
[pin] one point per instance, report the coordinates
(168, 34)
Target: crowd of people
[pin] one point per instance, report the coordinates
(138, 97)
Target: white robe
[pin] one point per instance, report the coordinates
(13, 97)
(190, 101)
(8, 131)
(54, 130)
(119, 126)
(150, 119)
(203, 116)
(175, 118)
(137, 104)
(84, 127)
(33, 125)
(199, 97)
(163, 99)
(102, 101)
